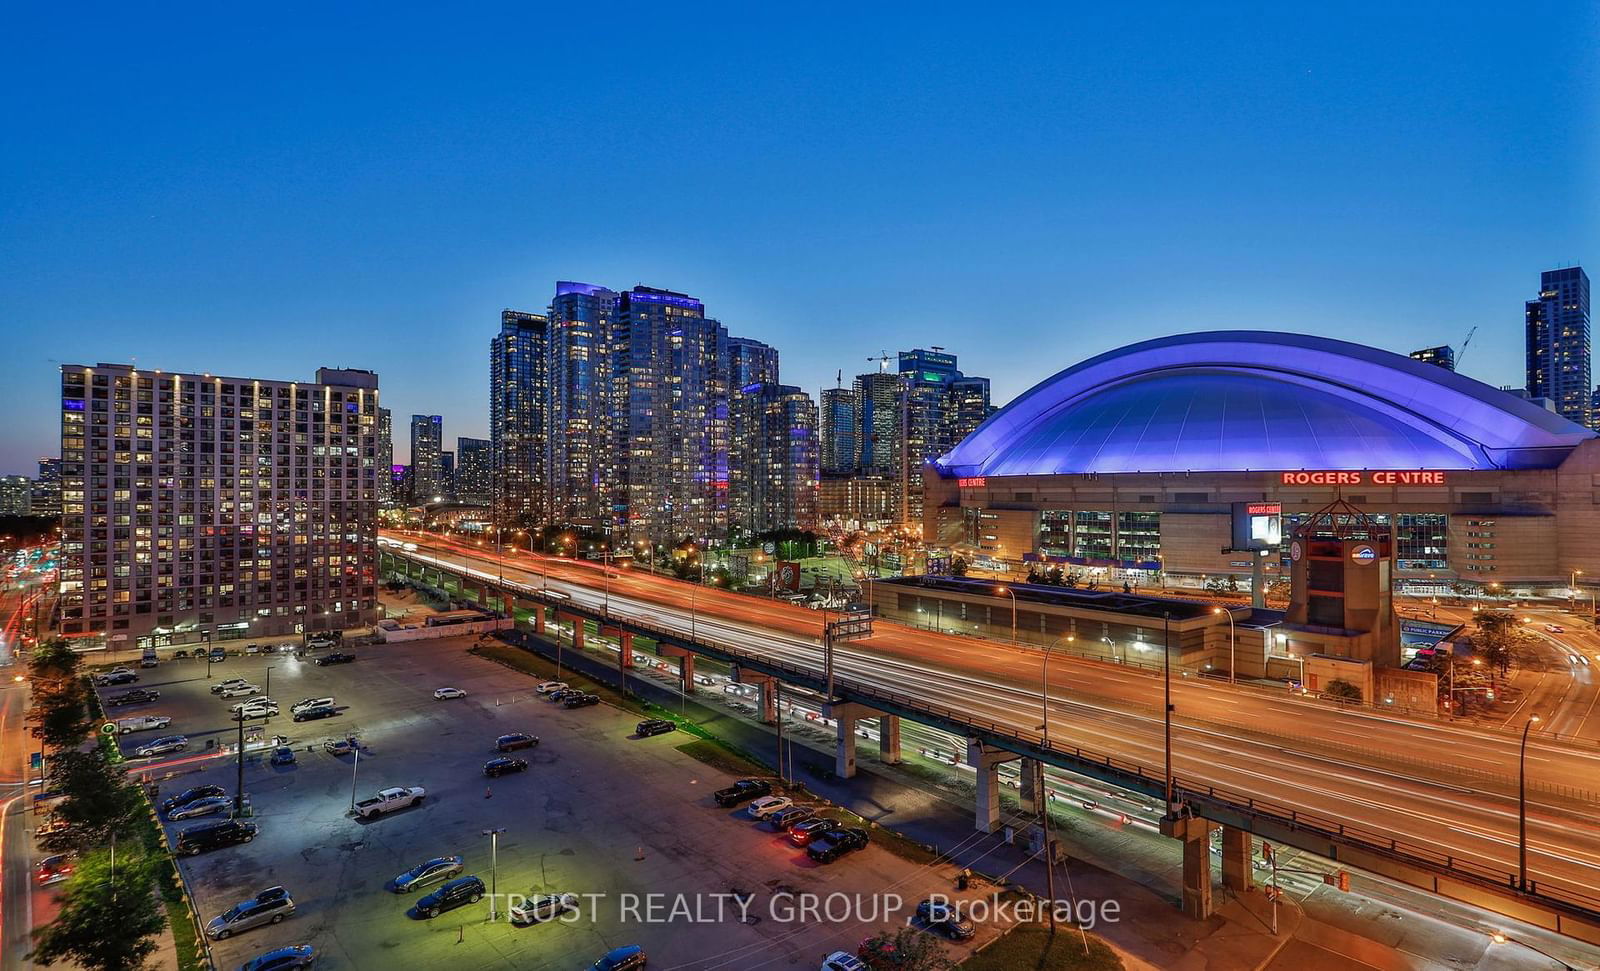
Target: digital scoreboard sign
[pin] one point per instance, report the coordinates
(1257, 525)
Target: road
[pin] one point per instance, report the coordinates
(1393, 775)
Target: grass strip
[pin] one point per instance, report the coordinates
(1029, 947)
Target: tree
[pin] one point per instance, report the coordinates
(108, 915)
(913, 950)
(958, 566)
(59, 713)
(1501, 640)
(1343, 690)
(99, 804)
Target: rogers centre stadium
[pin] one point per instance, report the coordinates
(1131, 462)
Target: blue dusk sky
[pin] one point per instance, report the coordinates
(260, 190)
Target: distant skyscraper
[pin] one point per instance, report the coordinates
(941, 406)
(968, 407)
(582, 466)
(427, 439)
(474, 471)
(386, 496)
(16, 495)
(878, 424)
(772, 459)
(840, 454)
(1444, 356)
(400, 485)
(47, 488)
(751, 362)
(447, 475)
(1557, 331)
(252, 532)
(519, 427)
(670, 434)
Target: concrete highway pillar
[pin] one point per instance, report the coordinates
(769, 700)
(538, 619)
(1032, 787)
(889, 739)
(987, 763)
(686, 672)
(1236, 847)
(625, 655)
(844, 748)
(578, 632)
(1196, 836)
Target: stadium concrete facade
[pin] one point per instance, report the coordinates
(1130, 462)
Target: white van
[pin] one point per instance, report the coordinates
(142, 723)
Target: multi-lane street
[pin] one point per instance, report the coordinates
(1448, 787)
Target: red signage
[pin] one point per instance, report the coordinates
(1264, 509)
(1379, 478)
(971, 482)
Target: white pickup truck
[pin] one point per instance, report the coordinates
(142, 723)
(388, 800)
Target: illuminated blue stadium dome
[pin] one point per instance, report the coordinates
(1230, 401)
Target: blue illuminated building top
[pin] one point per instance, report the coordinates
(1230, 401)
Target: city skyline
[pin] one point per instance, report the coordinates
(1323, 173)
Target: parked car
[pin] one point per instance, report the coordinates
(252, 648)
(240, 690)
(337, 657)
(137, 696)
(946, 918)
(161, 746)
(282, 755)
(320, 644)
(500, 766)
(462, 890)
(444, 694)
(190, 795)
(543, 906)
(209, 806)
(546, 687)
(268, 907)
(339, 746)
(305, 703)
(626, 958)
(426, 873)
(655, 726)
(388, 800)
(836, 843)
(784, 818)
(123, 676)
(803, 832)
(210, 836)
(180, 654)
(742, 791)
(843, 961)
(222, 686)
(312, 714)
(255, 711)
(142, 723)
(149, 660)
(561, 693)
(217, 655)
(767, 805)
(52, 869)
(291, 958)
(512, 741)
(580, 701)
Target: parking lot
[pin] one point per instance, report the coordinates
(599, 812)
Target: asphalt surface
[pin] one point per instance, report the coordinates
(1442, 786)
(598, 812)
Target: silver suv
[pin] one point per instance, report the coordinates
(267, 907)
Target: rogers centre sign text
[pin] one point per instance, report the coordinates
(1379, 478)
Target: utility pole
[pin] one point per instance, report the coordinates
(238, 791)
(1166, 656)
(494, 869)
(353, 766)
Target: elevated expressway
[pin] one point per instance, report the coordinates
(1429, 803)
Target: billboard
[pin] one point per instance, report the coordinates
(1257, 525)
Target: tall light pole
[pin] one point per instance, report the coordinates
(1012, 594)
(1166, 659)
(1233, 643)
(357, 750)
(1522, 807)
(494, 868)
(269, 686)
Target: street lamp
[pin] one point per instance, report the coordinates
(494, 868)
(1233, 643)
(1522, 807)
(1012, 594)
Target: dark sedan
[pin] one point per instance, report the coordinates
(836, 843)
(512, 741)
(580, 701)
(742, 791)
(503, 765)
(135, 697)
(655, 726)
(190, 795)
(336, 657)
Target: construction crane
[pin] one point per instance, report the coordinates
(1463, 352)
(883, 360)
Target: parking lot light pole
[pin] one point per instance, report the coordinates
(494, 868)
(357, 749)
(238, 789)
(1233, 643)
(268, 692)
